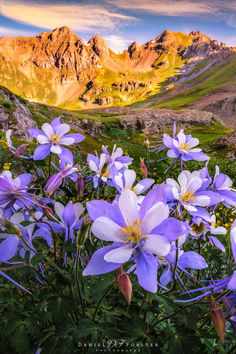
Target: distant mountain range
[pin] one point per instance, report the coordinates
(174, 70)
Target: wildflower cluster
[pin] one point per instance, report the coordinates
(161, 233)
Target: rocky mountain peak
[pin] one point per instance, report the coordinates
(134, 50)
(99, 46)
(58, 34)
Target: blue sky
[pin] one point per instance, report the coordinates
(120, 22)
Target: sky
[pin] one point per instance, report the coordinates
(120, 22)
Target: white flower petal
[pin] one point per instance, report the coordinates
(106, 229)
(93, 165)
(47, 129)
(67, 141)
(155, 215)
(157, 244)
(193, 142)
(194, 184)
(201, 200)
(130, 177)
(42, 139)
(62, 129)
(59, 209)
(56, 149)
(119, 255)
(78, 207)
(128, 205)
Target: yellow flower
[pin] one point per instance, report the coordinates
(6, 166)
(226, 225)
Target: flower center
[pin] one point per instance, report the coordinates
(185, 146)
(133, 233)
(55, 138)
(106, 174)
(187, 196)
(198, 228)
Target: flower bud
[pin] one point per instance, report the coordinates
(20, 150)
(80, 184)
(124, 284)
(47, 211)
(83, 233)
(218, 319)
(143, 168)
(53, 183)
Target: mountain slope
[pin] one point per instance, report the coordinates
(58, 68)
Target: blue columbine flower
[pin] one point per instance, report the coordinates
(188, 192)
(126, 180)
(183, 146)
(138, 233)
(116, 158)
(69, 219)
(220, 284)
(14, 190)
(52, 138)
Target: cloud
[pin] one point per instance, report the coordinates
(78, 17)
(169, 7)
(117, 43)
(12, 32)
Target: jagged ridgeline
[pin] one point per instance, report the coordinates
(59, 69)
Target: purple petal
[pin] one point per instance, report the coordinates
(35, 132)
(5, 186)
(56, 226)
(93, 162)
(197, 156)
(219, 180)
(233, 240)
(97, 208)
(55, 124)
(229, 197)
(166, 276)
(41, 152)
(170, 228)
(204, 214)
(168, 141)
(8, 248)
(97, 264)
(157, 194)
(143, 185)
(124, 159)
(66, 156)
(14, 282)
(44, 233)
(215, 198)
(217, 243)
(192, 260)
(232, 282)
(68, 214)
(173, 154)
(146, 270)
(25, 179)
(77, 137)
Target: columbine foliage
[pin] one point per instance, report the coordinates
(77, 241)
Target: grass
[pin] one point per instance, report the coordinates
(216, 76)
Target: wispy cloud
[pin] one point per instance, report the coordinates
(79, 17)
(169, 7)
(117, 43)
(12, 32)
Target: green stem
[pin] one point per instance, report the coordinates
(103, 297)
(166, 318)
(77, 283)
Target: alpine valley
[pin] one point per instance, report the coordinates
(187, 78)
